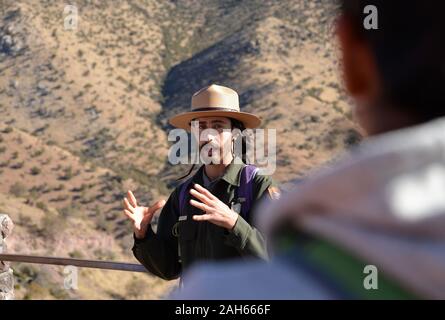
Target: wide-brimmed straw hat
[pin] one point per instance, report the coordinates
(215, 101)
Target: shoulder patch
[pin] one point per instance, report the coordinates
(274, 192)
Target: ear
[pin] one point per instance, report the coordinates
(359, 66)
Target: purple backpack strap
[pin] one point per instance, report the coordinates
(245, 190)
(183, 195)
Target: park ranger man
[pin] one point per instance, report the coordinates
(209, 216)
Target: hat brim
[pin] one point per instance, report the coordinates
(183, 120)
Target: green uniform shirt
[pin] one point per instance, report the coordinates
(201, 240)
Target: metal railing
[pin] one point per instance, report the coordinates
(97, 264)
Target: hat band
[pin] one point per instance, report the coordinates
(215, 109)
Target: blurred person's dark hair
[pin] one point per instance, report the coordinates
(409, 50)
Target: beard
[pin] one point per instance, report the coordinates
(209, 153)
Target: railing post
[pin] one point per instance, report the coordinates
(6, 275)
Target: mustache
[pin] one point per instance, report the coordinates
(212, 144)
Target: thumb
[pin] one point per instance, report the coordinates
(158, 205)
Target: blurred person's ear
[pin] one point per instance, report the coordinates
(358, 62)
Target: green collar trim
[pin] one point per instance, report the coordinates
(232, 175)
(346, 269)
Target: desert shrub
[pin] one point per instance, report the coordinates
(59, 293)
(25, 273)
(17, 165)
(103, 224)
(7, 130)
(24, 220)
(76, 254)
(4, 164)
(67, 173)
(18, 189)
(60, 187)
(42, 206)
(69, 211)
(34, 291)
(103, 254)
(37, 153)
(134, 289)
(52, 224)
(35, 171)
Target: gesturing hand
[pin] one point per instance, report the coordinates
(216, 211)
(141, 216)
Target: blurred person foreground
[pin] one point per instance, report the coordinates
(373, 225)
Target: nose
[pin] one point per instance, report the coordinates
(208, 136)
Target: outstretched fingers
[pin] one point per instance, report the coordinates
(200, 196)
(128, 206)
(202, 217)
(128, 214)
(200, 205)
(132, 198)
(204, 191)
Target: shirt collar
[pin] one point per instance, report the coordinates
(231, 175)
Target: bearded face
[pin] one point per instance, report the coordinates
(215, 139)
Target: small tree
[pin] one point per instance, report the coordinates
(35, 171)
(18, 189)
(68, 173)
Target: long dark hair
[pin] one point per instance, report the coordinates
(236, 124)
